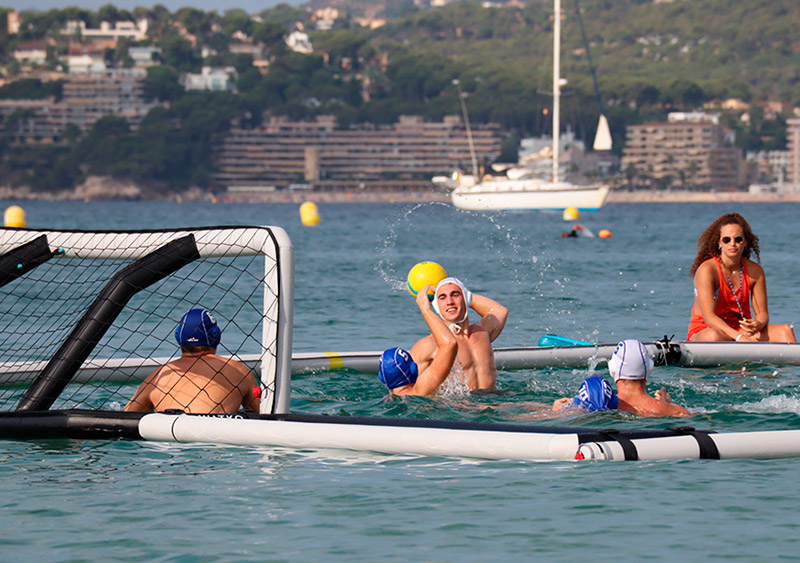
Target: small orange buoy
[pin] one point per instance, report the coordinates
(605, 233)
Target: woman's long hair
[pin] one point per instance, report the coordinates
(708, 243)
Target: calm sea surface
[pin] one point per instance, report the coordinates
(120, 500)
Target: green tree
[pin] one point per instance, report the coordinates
(509, 152)
(249, 80)
(70, 133)
(237, 20)
(24, 89)
(163, 83)
(286, 15)
(195, 21)
(242, 62)
(684, 93)
(343, 44)
(107, 143)
(269, 32)
(107, 13)
(179, 54)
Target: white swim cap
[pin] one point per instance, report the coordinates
(630, 361)
(464, 291)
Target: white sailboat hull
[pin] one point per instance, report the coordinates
(528, 195)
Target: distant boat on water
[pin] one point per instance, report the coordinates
(518, 191)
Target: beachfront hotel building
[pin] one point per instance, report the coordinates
(768, 168)
(688, 150)
(89, 96)
(318, 153)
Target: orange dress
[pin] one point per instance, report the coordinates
(730, 308)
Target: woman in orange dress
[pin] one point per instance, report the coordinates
(727, 283)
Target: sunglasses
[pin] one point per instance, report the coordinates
(737, 240)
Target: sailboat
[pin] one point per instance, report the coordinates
(474, 193)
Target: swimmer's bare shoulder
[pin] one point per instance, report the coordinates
(423, 351)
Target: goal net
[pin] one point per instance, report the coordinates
(86, 316)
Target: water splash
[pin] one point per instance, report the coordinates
(776, 404)
(497, 260)
(455, 386)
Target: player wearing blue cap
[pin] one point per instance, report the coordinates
(199, 381)
(630, 366)
(595, 394)
(452, 300)
(402, 375)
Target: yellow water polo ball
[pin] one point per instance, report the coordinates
(429, 273)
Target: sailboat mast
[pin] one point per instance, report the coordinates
(556, 85)
(472, 156)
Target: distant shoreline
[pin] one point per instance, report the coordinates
(682, 196)
(615, 196)
(114, 193)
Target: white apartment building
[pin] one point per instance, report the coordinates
(216, 79)
(135, 31)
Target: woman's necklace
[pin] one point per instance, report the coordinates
(741, 287)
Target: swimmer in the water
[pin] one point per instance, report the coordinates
(452, 300)
(200, 381)
(630, 366)
(402, 375)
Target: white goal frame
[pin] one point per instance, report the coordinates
(278, 295)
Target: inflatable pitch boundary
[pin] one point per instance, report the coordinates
(136, 369)
(389, 436)
(664, 353)
(697, 354)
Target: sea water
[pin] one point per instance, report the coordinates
(94, 500)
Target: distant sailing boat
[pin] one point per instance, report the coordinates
(523, 193)
(602, 139)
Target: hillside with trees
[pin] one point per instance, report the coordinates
(649, 59)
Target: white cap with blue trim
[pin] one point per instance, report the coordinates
(630, 361)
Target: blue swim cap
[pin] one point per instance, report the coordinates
(198, 327)
(595, 394)
(397, 368)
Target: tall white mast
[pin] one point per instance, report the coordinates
(556, 86)
(472, 156)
